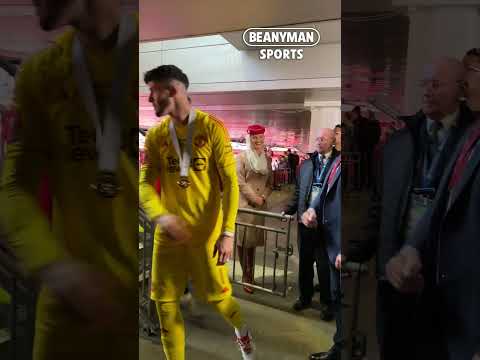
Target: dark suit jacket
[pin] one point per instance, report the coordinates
(328, 207)
(449, 240)
(299, 201)
(386, 214)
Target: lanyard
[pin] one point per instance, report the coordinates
(431, 167)
(108, 139)
(186, 157)
(322, 162)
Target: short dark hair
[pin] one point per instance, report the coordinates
(166, 73)
(339, 126)
(473, 52)
(357, 110)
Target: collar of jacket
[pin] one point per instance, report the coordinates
(414, 122)
(315, 154)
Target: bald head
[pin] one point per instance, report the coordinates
(451, 67)
(441, 87)
(325, 140)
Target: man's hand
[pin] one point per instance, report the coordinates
(258, 201)
(224, 248)
(88, 292)
(175, 227)
(338, 262)
(309, 218)
(403, 271)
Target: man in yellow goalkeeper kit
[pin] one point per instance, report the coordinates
(190, 152)
(77, 105)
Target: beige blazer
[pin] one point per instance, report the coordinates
(252, 183)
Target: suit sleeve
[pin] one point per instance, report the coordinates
(149, 173)
(27, 161)
(245, 188)
(226, 167)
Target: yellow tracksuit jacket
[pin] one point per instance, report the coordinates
(202, 205)
(56, 138)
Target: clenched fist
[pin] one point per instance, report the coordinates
(175, 227)
(309, 218)
(404, 271)
(89, 292)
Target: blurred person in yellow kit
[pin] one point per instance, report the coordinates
(77, 109)
(4, 297)
(190, 152)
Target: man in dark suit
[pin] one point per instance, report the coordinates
(414, 159)
(448, 242)
(312, 177)
(325, 214)
(293, 160)
(369, 135)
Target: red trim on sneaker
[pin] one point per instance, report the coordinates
(245, 342)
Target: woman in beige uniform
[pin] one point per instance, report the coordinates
(255, 178)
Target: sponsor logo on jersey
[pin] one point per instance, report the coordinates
(200, 141)
(199, 164)
(173, 164)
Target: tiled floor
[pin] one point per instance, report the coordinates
(279, 335)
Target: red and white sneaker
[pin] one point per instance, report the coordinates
(247, 347)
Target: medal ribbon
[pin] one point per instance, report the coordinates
(108, 141)
(186, 157)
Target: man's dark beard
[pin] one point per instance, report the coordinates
(161, 106)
